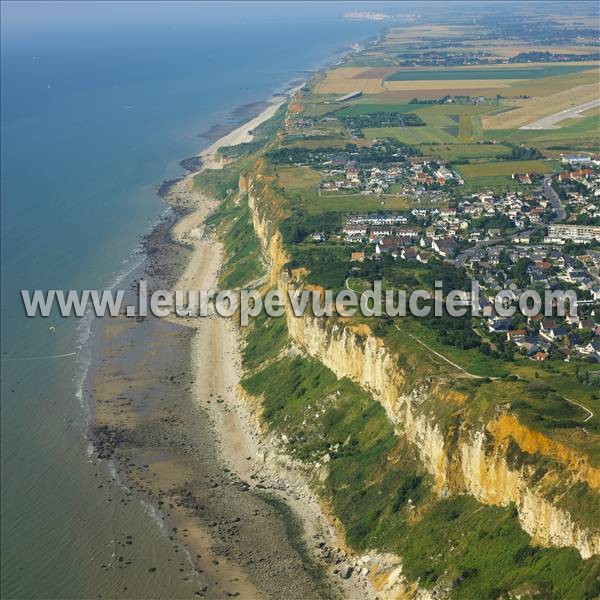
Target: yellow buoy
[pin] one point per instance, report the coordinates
(52, 329)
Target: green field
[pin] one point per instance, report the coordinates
(507, 167)
(496, 175)
(480, 73)
(465, 128)
(456, 109)
(582, 134)
(439, 119)
(410, 135)
(366, 109)
(496, 183)
(356, 203)
(469, 151)
(445, 123)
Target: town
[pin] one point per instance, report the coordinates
(544, 236)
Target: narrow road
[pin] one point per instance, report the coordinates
(559, 215)
(460, 260)
(548, 192)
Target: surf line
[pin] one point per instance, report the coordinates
(46, 357)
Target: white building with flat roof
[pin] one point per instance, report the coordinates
(583, 233)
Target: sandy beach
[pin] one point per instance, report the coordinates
(241, 135)
(216, 365)
(169, 415)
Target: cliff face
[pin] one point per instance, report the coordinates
(470, 460)
(265, 230)
(470, 465)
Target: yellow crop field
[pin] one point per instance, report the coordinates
(545, 86)
(345, 86)
(465, 128)
(344, 80)
(345, 72)
(449, 84)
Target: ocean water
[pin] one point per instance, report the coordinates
(99, 104)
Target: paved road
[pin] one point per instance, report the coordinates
(574, 112)
(559, 211)
(459, 261)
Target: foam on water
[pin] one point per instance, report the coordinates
(78, 190)
(85, 328)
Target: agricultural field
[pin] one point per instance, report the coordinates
(516, 72)
(444, 123)
(410, 135)
(523, 111)
(496, 175)
(581, 135)
(348, 203)
(453, 131)
(473, 112)
(463, 151)
(526, 90)
(364, 109)
(507, 167)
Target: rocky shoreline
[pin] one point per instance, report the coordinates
(234, 538)
(169, 418)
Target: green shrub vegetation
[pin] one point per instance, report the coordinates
(370, 476)
(379, 491)
(233, 222)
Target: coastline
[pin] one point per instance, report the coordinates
(209, 158)
(87, 533)
(240, 135)
(247, 448)
(168, 417)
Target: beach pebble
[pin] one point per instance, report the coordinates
(346, 572)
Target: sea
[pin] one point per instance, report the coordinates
(99, 103)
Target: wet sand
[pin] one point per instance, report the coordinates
(152, 423)
(168, 415)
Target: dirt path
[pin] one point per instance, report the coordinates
(587, 410)
(446, 359)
